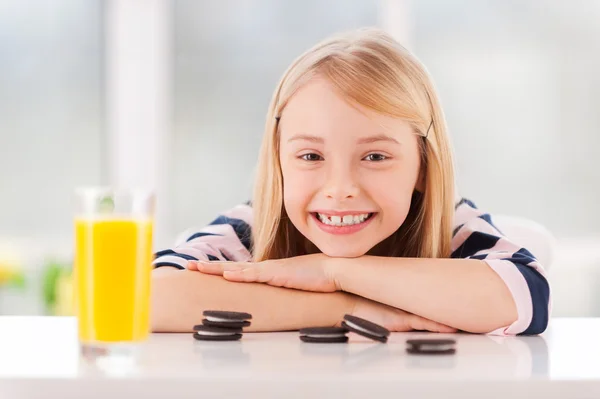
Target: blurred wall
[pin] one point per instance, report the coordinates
(518, 81)
(51, 112)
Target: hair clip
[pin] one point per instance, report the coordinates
(427, 133)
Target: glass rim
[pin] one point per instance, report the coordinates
(93, 191)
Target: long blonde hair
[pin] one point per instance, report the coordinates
(371, 69)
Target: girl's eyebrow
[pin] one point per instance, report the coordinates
(376, 138)
(306, 137)
(364, 140)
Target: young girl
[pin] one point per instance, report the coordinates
(354, 211)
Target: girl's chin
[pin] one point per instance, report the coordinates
(342, 252)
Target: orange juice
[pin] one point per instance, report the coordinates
(112, 279)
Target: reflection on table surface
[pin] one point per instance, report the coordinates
(47, 347)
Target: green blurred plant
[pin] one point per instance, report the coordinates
(56, 276)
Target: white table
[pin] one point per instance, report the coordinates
(39, 358)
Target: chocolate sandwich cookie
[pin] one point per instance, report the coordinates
(366, 328)
(324, 335)
(218, 318)
(209, 333)
(431, 346)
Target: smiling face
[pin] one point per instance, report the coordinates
(348, 173)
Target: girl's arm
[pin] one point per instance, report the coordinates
(180, 297)
(491, 285)
(463, 293)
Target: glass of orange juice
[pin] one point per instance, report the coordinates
(113, 255)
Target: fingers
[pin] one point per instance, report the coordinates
(232, 271)
(247, 275)
(215, 268)
(192, 265)
(421, 323)
(446, 329)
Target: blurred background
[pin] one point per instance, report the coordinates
(159, 93)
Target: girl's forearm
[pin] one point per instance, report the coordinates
(180, 297)
(463, 293)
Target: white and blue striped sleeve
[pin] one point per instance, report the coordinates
(227, 238)
(476, 237)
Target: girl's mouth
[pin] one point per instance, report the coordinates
(343, 223)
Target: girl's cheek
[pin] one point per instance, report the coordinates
(386, 189)
(299, 187)
(302, 178)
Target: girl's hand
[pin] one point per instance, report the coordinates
(395, 319)
(308, 273)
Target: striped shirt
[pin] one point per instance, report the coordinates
(228, 238)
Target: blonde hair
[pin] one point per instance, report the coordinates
(371, 69)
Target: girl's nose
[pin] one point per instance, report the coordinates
(341, 184)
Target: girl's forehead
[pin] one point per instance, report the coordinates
(320, 99)
(318, 108)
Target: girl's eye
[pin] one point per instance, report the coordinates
(312, 157)
(375, 157)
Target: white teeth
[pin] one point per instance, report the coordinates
(346, 220)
